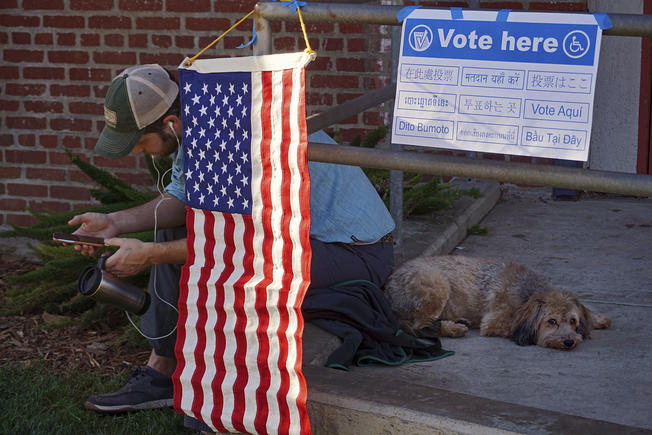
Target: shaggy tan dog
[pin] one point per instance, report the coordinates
(502, 299)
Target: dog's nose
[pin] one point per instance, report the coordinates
(569, 343)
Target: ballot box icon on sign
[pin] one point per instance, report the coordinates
(420, 38)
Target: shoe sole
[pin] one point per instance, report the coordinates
(116, 409)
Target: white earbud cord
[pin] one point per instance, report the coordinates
(163, 198)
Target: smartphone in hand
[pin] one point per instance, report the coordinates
(78, 240)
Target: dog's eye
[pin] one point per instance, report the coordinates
(573, 321)
(552, 322)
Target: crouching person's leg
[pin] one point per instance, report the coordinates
(151, 386)
(333, 263)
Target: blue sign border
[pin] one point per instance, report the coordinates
(430, 44)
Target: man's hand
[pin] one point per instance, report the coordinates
(171, 214)
(93, 224)
(132, 256)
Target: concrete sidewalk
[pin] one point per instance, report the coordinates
(599, 248)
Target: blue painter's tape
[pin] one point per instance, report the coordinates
(253, 38)
(503, 14)
(293, 5)
(456, 13)
(404, 12)
(603, 20)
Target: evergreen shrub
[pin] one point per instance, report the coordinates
(53, 286)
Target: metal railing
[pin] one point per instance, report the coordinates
(437, 164)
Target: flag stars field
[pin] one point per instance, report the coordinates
(202, 113)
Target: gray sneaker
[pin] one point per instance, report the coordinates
(146, 389)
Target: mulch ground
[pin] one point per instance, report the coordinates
(71, 345)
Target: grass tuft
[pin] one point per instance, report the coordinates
(477, 230)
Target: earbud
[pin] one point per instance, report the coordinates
(174, 133)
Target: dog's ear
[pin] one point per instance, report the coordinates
(585, 323)
(526, 319)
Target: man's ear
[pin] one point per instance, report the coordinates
(172, 122)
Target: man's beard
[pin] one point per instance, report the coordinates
(170, 143)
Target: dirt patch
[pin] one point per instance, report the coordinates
(61, 342)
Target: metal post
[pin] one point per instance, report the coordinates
(521, 173)
(396, 177)
(352, 107)
(623, 24)
(263, 44)
(629, 25)
(333, 13)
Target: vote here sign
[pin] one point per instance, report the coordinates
(510, 83)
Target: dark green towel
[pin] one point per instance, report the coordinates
(359, 313)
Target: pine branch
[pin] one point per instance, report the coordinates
(121, 190)
(39, 297)
(101, 177)
(77, 304)
(53, 222)
(372, 139)
(41, 234)
(56, 270)
(131, 194)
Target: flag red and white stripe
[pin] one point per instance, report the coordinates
(238, 349)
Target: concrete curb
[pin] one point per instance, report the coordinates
(472, 215)
(368, 404)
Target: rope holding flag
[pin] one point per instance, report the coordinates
(239, 350)
(190, 61)
(295, 6)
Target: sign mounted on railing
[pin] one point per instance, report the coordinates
(499, 82)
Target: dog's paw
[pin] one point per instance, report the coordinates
(600, 321)
(464, 322)
(452, 329)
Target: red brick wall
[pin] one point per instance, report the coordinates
(58, 58)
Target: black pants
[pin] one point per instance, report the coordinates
(336, 262)
(160, 319)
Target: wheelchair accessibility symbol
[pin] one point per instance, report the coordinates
(576, 44)
(420, 38)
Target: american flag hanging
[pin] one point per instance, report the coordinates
(238, 345)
